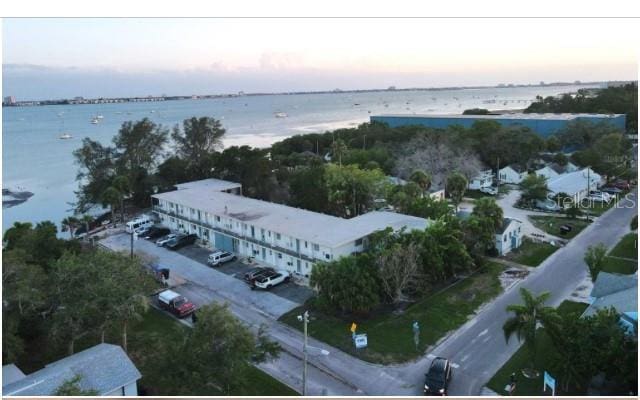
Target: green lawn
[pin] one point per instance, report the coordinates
(627, 247)
(475, 194)
(551, 225)
(521, 360)
(531, 253)
(619, 266)
(390, 336)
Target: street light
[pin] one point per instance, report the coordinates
(304, 318)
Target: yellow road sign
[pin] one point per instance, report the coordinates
(353, 327)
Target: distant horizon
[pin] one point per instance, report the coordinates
(328, 91)
(53, 58)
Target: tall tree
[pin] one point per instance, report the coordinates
(71, 387)
(534, 188)
(96, 170)
(352, 190)
(456, 186)
(111, 197)
(422, 179)
(399, 270)
(527, 316)
(215, 356)
(70, 224)
(121, 184)
(199, 138)
(594, 258)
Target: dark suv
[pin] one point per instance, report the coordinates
(156, 232)
(182, 241)
(437, 379)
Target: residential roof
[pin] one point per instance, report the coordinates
(103, 368)
(211, 183)
(572, 182)
(515, 116)
(318, 228)
(505, 225)
(516, 167)
(607, 283)
(614, 291)
(11, 373)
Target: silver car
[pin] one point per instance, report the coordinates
(166, 239)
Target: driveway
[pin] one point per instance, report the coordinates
(269, 303)
(507, 201)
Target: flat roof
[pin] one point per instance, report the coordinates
(515, 116)
(572, 182)
(322, 229)
(210, 183)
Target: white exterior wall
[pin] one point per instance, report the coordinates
(509, 175)
(503, 241)
(547, 173)
(272, 256)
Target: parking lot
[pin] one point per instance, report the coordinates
(190, 263)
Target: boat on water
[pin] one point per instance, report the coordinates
(95, 121)
(65, 136)
(99, 116)
(280, 114)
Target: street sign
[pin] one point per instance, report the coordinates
(549, 381)
(360, 340)
(353, 327)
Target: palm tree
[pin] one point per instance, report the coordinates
(86, 220)
(338, 148)
(422, 179)
(527, 317)
(121, 183)
(111, 197)
(70, 224)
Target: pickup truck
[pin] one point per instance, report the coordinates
(175, 303)
(268, 281)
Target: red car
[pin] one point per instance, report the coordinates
(175, 303)
(622, 185)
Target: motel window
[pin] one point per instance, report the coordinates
(327, 256)
(279, 255)
(173, 219)
(217, 218)
(278, 236)
(316, 247)
(359, 242)
(305, 245)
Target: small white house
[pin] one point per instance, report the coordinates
(547, 172)
(482, 180)
(509, 236)
(512, 174)
(576, 184)
(437, 194)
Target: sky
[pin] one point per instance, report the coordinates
(92, 57)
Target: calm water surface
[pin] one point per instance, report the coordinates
(35, 159)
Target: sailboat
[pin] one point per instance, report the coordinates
(64, 135)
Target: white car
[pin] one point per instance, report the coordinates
(596, 194)
(268, 281)
(490, 190)
(220, 257)
(166, 239)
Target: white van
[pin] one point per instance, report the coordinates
(141, 222)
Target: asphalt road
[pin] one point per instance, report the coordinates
(479, 348)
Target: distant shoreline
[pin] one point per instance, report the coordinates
(139, 99)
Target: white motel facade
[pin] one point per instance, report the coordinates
(273, 234)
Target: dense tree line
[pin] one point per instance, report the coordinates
(60, 297)
(612, 100)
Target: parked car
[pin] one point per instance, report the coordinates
(602, 194)
(437, 379)
(612, 190)
(156, 232)
(142, 221)
(220, 257)
(600, 197)
(268, 281)
(175, 303)
(490, 190)
(142, 230)
(566, 228)
(257, 272)
(166, 239)
(181, 241)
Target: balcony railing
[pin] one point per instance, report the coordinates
(236, 234)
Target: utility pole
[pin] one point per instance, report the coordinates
(132, 233)
(498, 175)
(305, 320)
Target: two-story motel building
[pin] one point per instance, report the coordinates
(274, 234)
